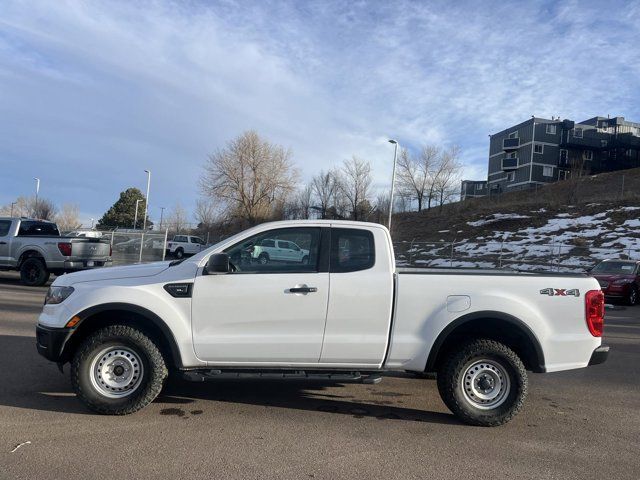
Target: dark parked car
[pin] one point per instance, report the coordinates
(619, 279)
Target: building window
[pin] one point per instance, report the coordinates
(577, 132)
(603, 143)
(564, 156)
(547, 171)
(511, 176)
(479, 187)
(629, 152)
(513, 134)
(551, 129)
(538, 148)
(587, 155)
(512, 155)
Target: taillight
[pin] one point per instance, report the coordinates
(65, 249)
(594, 305)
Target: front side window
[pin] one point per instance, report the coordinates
(272, 252)
(4, 227)
(351, 250)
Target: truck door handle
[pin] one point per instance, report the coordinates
(302, 290)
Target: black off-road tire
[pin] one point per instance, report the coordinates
(154, 371)
(451, 382)
(263, 259)
(179, 253)
(305, 260)
(33, 272)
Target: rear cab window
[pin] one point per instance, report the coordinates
(5, 225)
(352, 250)
(38, 229)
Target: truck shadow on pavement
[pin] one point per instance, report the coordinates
(307, 395)
(31, 382)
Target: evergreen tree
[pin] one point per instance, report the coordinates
(122, 213)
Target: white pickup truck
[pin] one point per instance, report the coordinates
(183, 245)
(347, 314)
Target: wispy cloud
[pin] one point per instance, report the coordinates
(91, 93)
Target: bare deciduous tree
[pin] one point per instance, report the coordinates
(68, 218)
(177, 220)
(303, 201)
(446, 177)
(355, 185)
(205, 213)
(251, 177)
(324, 186)
(415, 174)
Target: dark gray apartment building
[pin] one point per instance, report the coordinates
(473, 188)
(540, 151)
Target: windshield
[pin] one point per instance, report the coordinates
(623, 268)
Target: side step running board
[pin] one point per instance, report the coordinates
(204, 375)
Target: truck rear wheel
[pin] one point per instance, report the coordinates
(33, 272)
(484, 383)
(118, 370)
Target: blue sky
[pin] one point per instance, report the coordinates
(92, 93)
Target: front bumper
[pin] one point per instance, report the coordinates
(599, 355)
(50, 342)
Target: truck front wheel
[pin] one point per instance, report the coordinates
(484, 383)
(118, 370)
(33, 272)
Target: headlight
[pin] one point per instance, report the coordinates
(621, 281)
(57, 295)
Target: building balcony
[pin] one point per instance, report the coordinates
(509, 163)
(510, 143)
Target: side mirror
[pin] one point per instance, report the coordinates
(218, 263)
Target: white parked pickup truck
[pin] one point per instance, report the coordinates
(182, 245)
(347, 314)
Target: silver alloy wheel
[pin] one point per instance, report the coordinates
(633, 297)
(485, 384)
(116, 372)
(263, 260)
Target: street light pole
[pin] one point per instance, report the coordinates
(393, 180)
(135, 217)
(146, 203)
(12, 204)
(161, 215)
(35, 208)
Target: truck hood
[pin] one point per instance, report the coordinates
(112, 273)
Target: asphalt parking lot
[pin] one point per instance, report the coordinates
(578, 424)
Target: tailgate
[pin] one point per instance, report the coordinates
(90, 248)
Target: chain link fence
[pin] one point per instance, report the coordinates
(514, 255)
(129, 246)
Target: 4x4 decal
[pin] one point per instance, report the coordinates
(560, 292)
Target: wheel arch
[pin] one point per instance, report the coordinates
(107, 314)
(497, 326)
(30, 252)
